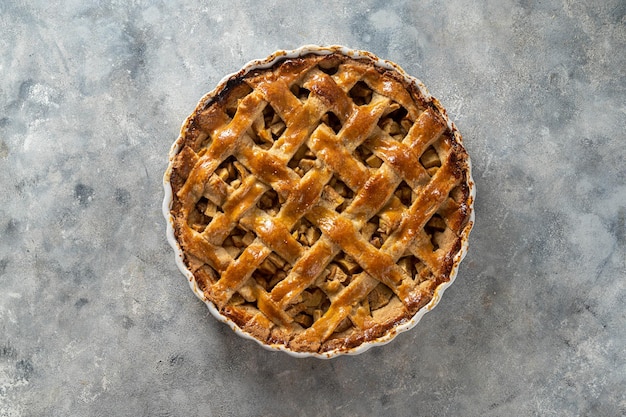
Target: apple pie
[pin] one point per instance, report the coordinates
(319, 201)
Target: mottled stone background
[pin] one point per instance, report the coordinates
(95, 318)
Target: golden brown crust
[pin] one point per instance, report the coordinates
(319, 203)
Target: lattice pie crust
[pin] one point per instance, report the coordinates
(320, 200)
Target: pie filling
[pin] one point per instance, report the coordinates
(319, 203)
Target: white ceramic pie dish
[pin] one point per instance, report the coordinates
(266, 63)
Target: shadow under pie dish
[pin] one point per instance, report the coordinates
(319, 201)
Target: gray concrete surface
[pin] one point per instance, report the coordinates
(95, 318)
